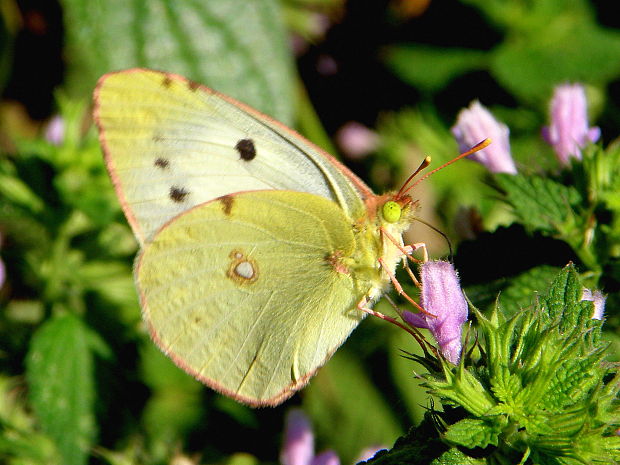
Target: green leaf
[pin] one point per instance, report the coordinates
(175, 404)
(14, 190)
(472, 433)
(21, 442)
(563, 301)
(432, 68)
(419, 446)
(113, 280)
(543, 369)
(521, 291)
(242, 459)
(238, 47)
(549, 42)
(515, 293)
(422, 446)
(573, 380)
(456, 457)
(411, 393)
(540, 203)
(59, 370)
(340, 399)
(566, 49)
(506, 385)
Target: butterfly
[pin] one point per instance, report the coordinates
(259, 252)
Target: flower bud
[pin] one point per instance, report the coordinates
(443, 297)
(598, 299)
(476, 123)
(568, 132)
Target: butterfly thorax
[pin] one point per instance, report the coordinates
(378, 234)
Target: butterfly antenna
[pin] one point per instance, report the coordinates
(476, 148)
(437, 230)
(423, 165)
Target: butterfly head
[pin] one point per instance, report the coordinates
(391, 211)
(395, 209)
(396, 212)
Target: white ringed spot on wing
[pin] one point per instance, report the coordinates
(242, 269)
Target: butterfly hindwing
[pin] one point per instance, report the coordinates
(249, 292)
(171, 144)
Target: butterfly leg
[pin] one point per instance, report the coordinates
(363, 307)
(400, 289)
(420, 245)
(407, 250)
(413, 247)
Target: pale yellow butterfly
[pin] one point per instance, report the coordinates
(260, 253)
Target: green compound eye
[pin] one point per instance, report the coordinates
(391, 211)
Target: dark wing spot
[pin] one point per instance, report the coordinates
(178, 194)
(246, 149)
(191, 85)
(227, 204)
(158, 138)
(166, 82)
(162, 163)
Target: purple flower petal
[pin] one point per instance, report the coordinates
(369, 453)
(298, 446)
(476, 123)
(55, 131)
(442, 296)
(328, 457)
(2, 267)
(356, 140)
(415, 319)
(568, 132)
(598, 299)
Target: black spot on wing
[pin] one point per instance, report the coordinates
(246, 149)
(166, 82)
(178, 194)
(191, 85)
(162, 163)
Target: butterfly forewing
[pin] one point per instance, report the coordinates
(171, 144)
(246, 294)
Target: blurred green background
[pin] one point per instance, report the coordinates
(80, 381)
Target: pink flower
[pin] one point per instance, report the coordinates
(568, 132)
(55, 131)
(298, 446)
(328, 457)
(2, 273)
(356, 140)
(441, 296)
(369, 453)
(598, 299)
(476, 123)
(326, 65)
